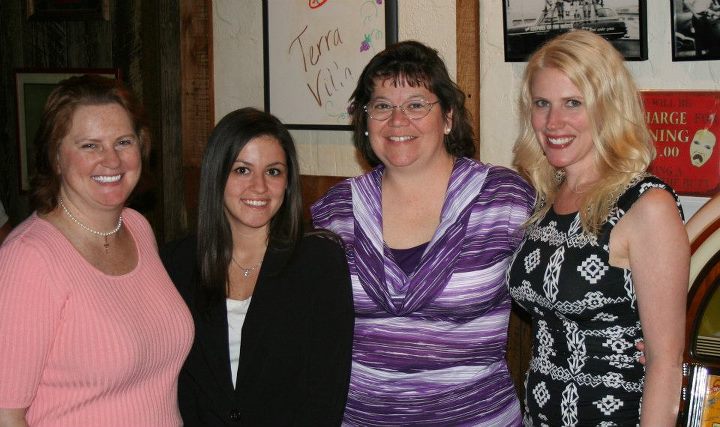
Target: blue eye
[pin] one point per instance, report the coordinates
(541, 103)
(574, 103)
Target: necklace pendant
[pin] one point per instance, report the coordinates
(106, 245)
(246, 273)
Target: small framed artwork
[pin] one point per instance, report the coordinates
(685, 126)
(32, 88)
(314, 52)
(64, 10)
(702, 396)
(527, 24)
(695, 30)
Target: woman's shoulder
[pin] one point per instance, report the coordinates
(320, 241)
(639, 186)
(32, 232)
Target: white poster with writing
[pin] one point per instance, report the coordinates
(315, 51)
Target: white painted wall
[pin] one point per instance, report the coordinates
(237, 44)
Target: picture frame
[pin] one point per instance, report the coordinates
(702, 405)
(63, 10)
(32, 87)
(685, 126)
(314, 52)
(695, 30)
(527, 24)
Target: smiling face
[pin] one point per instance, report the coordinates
(255, 188)
(400, 142)
(99, 159)
(560, 121)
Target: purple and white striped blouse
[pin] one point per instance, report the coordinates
(430, 347)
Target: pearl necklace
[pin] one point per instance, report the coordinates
(246, 271)
(105, 234)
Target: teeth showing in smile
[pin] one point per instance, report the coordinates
(560, 141)
(257, 203)
(401, 138)
(106, 178)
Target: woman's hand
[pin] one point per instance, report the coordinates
(13, 417)
(640, 346)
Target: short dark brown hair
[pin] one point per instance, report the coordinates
(57, 119)
(415, 64)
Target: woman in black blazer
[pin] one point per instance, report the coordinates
(272, 305)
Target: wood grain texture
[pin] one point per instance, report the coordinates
(468, 60)
(197, 95)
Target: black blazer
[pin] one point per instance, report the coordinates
(296, 341)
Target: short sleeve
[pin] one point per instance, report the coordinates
(30, 313)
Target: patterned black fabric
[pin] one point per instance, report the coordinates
(584, 368)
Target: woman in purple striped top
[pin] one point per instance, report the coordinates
(429, 233)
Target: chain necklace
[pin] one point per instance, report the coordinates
(246, 271)
(105, 234)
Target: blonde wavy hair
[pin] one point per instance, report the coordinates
(623, 144)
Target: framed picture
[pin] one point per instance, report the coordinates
(314, 53)
(695, 30)
(703, 396)
(64, 10)
(32, 87)
(685, 126)
(530, 23)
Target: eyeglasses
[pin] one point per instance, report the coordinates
(415, 109)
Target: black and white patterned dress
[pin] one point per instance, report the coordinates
(584, 369)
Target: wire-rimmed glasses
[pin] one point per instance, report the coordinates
(414, 109)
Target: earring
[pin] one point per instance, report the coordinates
(447, 131)
(366, 133)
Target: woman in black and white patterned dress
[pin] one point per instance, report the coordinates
(605, 258)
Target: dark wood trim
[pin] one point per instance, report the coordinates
(198, 104)
(467, 24)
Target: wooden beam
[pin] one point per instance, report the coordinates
(467, 24)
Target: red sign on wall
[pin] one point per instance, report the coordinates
(685, 126)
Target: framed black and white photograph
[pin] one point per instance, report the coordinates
(695, 30)
(33, 86)
(314, 52)
(530, 23)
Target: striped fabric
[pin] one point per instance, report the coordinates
(81, 348)
(430, 347)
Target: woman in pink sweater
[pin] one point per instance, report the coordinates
(92, 331)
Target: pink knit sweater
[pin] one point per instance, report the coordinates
(80, 348)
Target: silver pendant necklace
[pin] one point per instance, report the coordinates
(104, 234)
(246, 271)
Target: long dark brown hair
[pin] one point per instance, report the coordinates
(215, 244)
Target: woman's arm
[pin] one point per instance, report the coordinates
(13, 417)
(331, 342)
(659, 257)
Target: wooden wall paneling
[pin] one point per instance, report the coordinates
(313, 187)
(88, 43)
(468, 59)
(11, 56)
(198, 115)
(174, 212)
